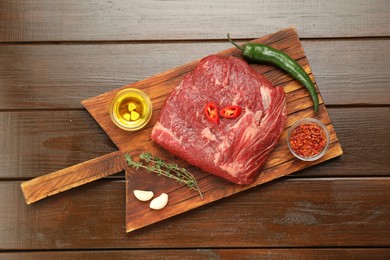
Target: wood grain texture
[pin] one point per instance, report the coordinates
(43, 141)
(303, 254)
(74, 20)
(280, 162)
(53, 54)
(33, 144)
(43, 76)
(289, 212)
(71, 177)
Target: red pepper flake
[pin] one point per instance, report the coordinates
(307, 140)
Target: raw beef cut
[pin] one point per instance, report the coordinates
(234, 149)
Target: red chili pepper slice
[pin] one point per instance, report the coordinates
(230, 112)
(211, 111)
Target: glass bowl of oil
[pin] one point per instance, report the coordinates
(131, 109)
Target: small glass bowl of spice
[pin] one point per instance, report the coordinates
(308, 139)
(131, 109)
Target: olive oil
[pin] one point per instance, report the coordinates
(131, 109)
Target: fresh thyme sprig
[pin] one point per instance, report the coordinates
(161, 167)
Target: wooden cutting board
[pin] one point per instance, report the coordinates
(280, 163)
(181, 199)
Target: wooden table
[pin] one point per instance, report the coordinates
(53, 54)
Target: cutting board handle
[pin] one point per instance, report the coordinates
(71, 177)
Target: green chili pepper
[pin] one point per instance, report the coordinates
(262, 53)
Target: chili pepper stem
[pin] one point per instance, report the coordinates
(235, 44)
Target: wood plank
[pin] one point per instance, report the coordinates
(60, 76)
(292, 212)
(348, 73)
(33, 144)
(292, 253)
(57, 20)
(38, 142)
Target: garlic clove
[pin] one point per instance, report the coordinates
(127, 116)
(143, 195)
(134, 115)
(159, 202)
(131, 107)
